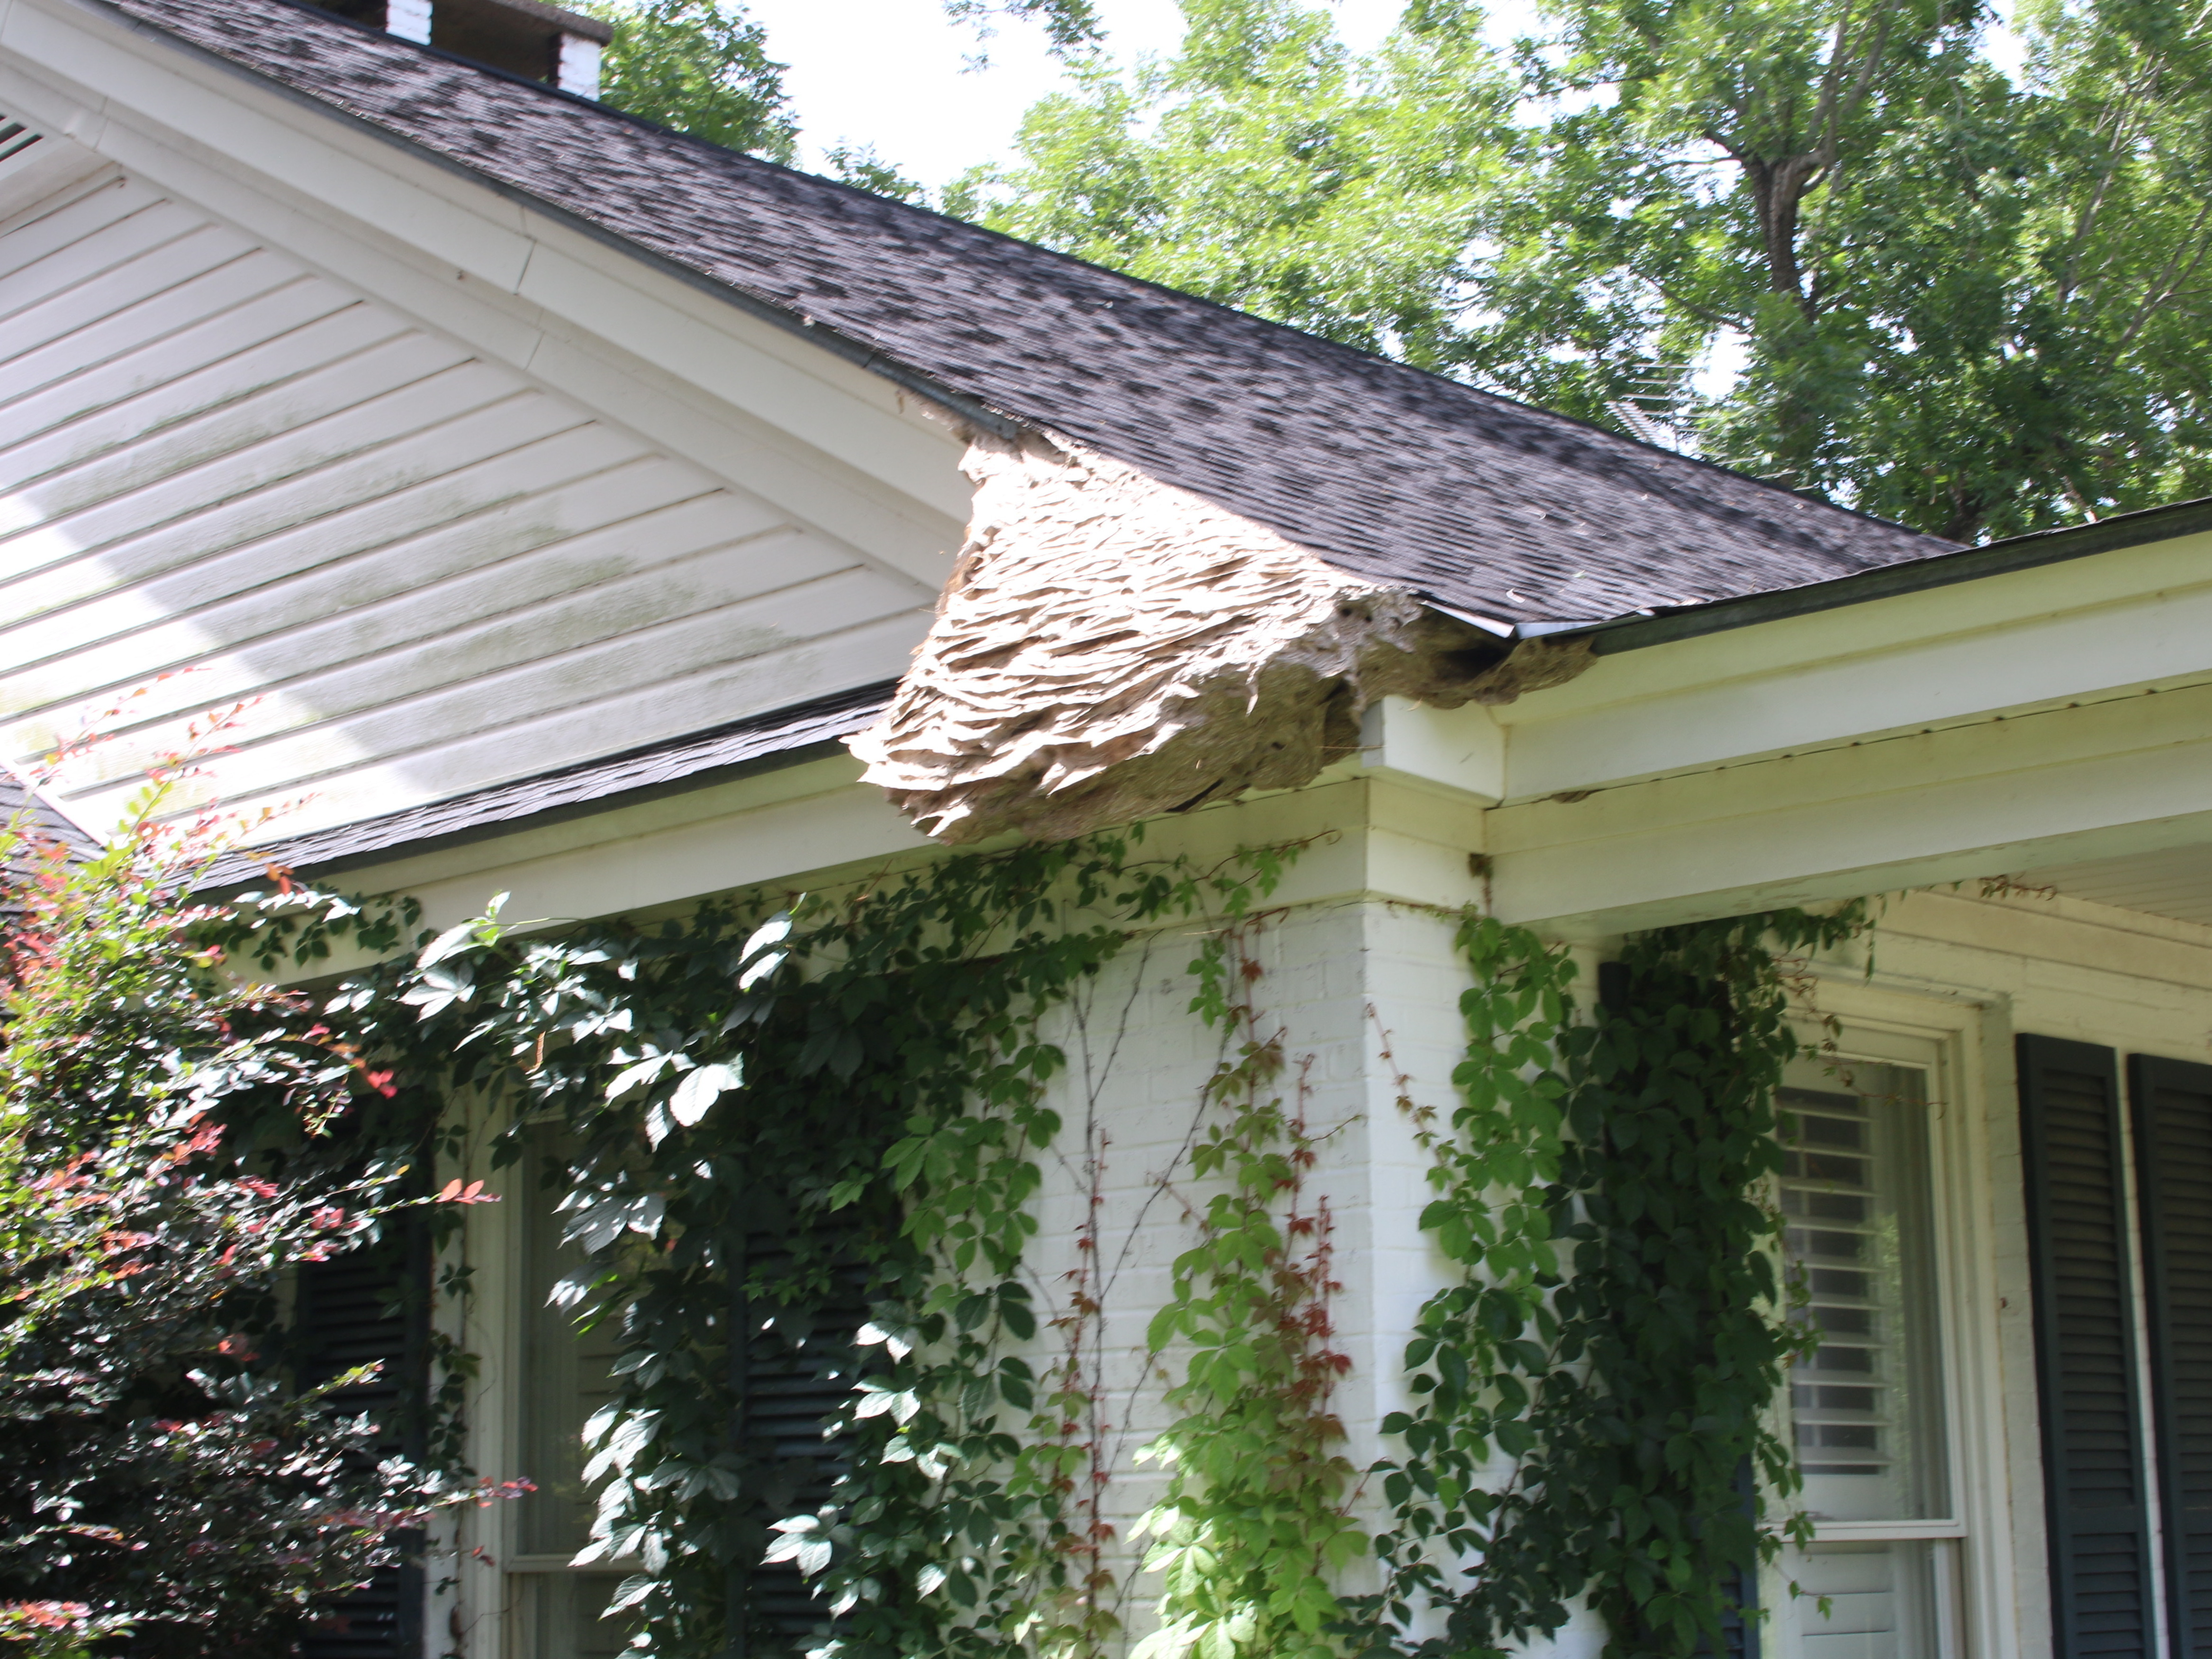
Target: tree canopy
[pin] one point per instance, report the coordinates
(698, 67)
(1970, 302)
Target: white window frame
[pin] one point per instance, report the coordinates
(480, 1614)
(1946, 1039)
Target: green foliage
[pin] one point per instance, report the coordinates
(1255, 1525)
(1629, 1393)
(1976, 306)
(159, 1473)
(860, 167)
(1069, 25)
(770, 1118)
(698, 66)
(1616, 1334)
(1267, 169)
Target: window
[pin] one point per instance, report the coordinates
(565, 1378)
(1869, 1411)
(798, 1365)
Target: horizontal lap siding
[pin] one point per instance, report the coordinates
(427, 573)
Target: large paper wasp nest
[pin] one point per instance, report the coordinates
(1111, 648)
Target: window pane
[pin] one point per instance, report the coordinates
(565, 1371)
(1867, 1406)
(561, 1617)
(1883, 1601)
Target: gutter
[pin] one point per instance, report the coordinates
(2026, 552)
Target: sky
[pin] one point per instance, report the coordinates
(892, 73)
(900, 76)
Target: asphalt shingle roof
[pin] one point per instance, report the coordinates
(39, 827)
(1387, 472)
(697, 761)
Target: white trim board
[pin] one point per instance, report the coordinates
(703, 378)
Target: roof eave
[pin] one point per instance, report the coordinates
(862, 353)
(2041, 547)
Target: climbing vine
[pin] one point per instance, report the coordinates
(784, 1119)
(1624, 1389)
(776, 1129)
(1256, 1525)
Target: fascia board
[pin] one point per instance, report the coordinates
(99, 61)
(803, 825)
(774, 836)
(870, 462)
(2129, 775)
(2024, 552)
(2007, 644)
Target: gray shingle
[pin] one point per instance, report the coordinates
(1387, 472)
(40, 827)
(758, 743)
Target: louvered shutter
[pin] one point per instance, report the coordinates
(1739, 1619)
(790, 1382)
(369, 1305)
(2174, 1147)
(2092, 1462)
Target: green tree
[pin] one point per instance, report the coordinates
(1267, 168)
(698, 67)
(1969, 305)
(1976, 306)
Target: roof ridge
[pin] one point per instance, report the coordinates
(1394, 471)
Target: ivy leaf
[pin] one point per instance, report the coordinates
(644, 1071)
(440, 989)
(759, 958)
(1014, 1310)
(701, 1089)
(454, 938)
(870, 1334)
(630, 1592)
(801, 1543)
(876, 1400)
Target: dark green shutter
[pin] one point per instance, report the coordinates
(791, 1373)
(2173, 1148)
(2092, 1462)
(367, 1305)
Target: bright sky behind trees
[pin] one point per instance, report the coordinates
(890, 73)
(893, 73)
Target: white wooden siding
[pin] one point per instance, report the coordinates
(224, 476)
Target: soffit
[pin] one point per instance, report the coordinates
(2175, 883)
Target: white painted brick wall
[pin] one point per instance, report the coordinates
(1137, 1061)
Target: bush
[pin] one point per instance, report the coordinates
(166, 1487)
